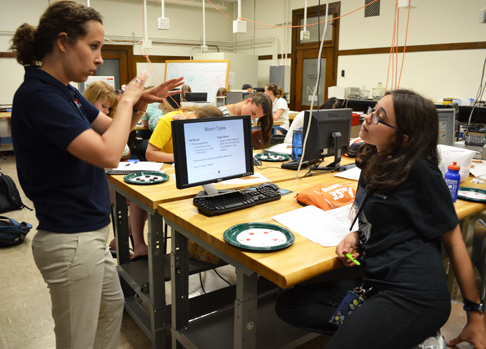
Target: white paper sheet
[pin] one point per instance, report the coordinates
(253, 179)
(478, 168)
(281, 148)
(319, 226)
(125, 167)
(352, 174)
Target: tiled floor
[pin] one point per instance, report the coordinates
(25, 318)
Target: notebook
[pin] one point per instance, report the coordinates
(132, 167)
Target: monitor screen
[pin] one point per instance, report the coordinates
(329, 134)
(212, 150)
(447, 125)
(196, 96)
(175, 100)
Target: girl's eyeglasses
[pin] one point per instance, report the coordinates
(376, 119)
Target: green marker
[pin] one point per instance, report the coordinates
(351, 257)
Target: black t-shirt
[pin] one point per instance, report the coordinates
(400, 234)
(69, 194)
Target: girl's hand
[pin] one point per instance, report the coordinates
(348, 245)
(473, 333)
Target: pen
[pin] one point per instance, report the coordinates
(351, 257)
(128, 164)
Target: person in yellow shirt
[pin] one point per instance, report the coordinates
(160, 146)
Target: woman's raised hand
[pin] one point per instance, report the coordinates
(134, 89)
(159, 93)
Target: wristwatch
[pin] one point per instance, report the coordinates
(139, 112)
(471, 306)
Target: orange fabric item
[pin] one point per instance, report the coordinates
(327, 196)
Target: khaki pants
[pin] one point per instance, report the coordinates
(87, 300)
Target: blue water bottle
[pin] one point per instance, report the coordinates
(297, 143)
(452, 179)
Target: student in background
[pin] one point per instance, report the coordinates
(54, 128)
(220, 97)
(248, 88)
(105, 99)
(257, 105)
(102, 96)
(154, 112)
(280, 108)
(221, 92)
(184, 90)
(331, 103)
(406, 215)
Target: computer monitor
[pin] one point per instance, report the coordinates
(330, 131)
(233, 97)
(211, 150)
(175, 100)
(196, 96)
(447, 126)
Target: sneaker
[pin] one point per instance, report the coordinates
(434, 342)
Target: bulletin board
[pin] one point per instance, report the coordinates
(201, 75)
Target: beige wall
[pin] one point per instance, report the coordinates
(436, 74)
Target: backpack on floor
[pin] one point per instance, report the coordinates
(12, 232)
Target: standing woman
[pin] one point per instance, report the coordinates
(62, 145)
(257, 105)
(405, 216)
(280, 109)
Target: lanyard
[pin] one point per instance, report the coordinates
(359, 211)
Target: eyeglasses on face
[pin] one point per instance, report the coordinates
(376, 119)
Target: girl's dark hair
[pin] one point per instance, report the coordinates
(32, 45)
(332, 103)
(277, 91)
(417, 118)
(266, 121)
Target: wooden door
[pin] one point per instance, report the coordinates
(118, 62)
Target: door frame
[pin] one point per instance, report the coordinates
(301, 50)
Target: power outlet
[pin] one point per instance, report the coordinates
(163, 23)
(304, 35)
(204, 48)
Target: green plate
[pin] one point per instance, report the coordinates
(146, 177)
(259, 236)
(472, 194)
(272, 157)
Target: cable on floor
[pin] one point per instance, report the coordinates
(222, 278)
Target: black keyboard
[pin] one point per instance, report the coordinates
(216, 205)
(294, 165)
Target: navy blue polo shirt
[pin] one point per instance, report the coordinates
(69, 194)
